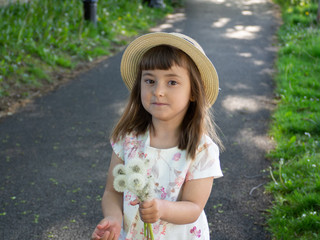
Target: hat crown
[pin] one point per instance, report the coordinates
(190, 40)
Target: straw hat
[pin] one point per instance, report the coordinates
(136, 49)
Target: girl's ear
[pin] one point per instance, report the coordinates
(192, 98)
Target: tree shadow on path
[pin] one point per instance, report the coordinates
(54, 154)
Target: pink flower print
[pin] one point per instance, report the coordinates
(195, 232)
(189, 176)
(179, 181)
(128, 197)
(141, 155)
(142, 232)
(133, 152)
(203, 147)
(133, 231)
(127, 141)
(164, 230)
(156, 228)
(163, 193)
(176, 157)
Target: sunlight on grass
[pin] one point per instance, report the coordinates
(42, 37)
(296, 127)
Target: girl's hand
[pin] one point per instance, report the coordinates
(107, 229)
(150, 211)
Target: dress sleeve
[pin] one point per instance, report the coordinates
(117, 147)
(206, 163)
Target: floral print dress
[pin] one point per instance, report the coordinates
(170, 168)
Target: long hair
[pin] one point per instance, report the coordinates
(198, 118)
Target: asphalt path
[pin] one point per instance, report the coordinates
(55, 152)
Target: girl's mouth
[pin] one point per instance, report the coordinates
(159, 104)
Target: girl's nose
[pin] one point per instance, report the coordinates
(158, 90)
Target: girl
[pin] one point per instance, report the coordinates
(166, 124)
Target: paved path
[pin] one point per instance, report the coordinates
(54, 154)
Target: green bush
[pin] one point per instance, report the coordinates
(49, 34)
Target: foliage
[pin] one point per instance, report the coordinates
(40, 37)
(286, 3)
(296, 128)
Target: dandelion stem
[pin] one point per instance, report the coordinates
(271, 174)
(280, 175)
(150, 231)
(145, 229)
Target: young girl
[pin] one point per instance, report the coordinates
(166, 124)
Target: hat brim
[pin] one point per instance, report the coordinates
(133, 54)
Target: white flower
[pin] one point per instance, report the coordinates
(136, 182)
(281, 161)
(119, 169)
(133, 177)
(120, 183)
(136, 166)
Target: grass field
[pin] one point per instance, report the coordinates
(43, 39)
(296, 126)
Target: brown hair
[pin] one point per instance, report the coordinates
(197, 120)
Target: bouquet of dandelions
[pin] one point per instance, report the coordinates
(133, 177)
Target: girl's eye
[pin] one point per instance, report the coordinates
(172, 83)
(149, 81)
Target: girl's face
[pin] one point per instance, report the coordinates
(166, 94)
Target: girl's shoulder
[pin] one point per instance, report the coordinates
(205, 143)
(128, 145)
(131, 138)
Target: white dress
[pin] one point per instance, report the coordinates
(170, 169)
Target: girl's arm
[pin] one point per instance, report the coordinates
(112, 201)
(195, 194)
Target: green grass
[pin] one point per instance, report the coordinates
(296, 126)
(44, 36)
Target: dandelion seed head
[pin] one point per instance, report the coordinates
(281, 161)
(119, 170)
(133, 177)
(148, 191)
(120, 183)
(136, 166)
(136, 182)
